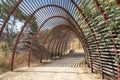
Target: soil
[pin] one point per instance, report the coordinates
(68, 68)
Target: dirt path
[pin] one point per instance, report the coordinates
(67, 68)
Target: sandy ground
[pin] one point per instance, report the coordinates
(67, 68)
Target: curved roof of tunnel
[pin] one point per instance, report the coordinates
(94, 22)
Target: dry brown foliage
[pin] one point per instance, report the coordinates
(20, 60)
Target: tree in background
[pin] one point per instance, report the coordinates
(18, 16)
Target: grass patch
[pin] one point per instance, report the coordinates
(20, 60)
(4, 68)
(4, 63)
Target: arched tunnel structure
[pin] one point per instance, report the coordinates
(94, 22)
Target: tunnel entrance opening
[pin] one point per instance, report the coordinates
(48, 29)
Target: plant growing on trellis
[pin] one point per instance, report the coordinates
(117, 60)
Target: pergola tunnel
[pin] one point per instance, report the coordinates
(48, 28)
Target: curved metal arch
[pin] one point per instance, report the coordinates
(55, 17)
(35, 35)
(102, 11)
(52, 18)
(27, 21)
(86, 20)
(60, 47)
(59, 42)
(9, 15)
(50, 42)
(14, 9)
(62, 37)
(58, 29)
(63, 43)
(57, 33)
(33, 41)
(89, 26)
(47, 20)
(49, 35)
(67, 26)
(53, 38)
(48, 6)
(47, 39)
(54, 42)
(68, 41)
(96, 35)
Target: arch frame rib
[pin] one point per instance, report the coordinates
(82, 34)
(35, 35)
(9, 15)
(67, 27)
(54, 42)
(56, 36)
(48, 48)
(92, 32)
(60, 50)
(60, 42)
(64, 44)
(103, 13)
(25, 24)
(47, 39)
(62, 37)
(27, 21)
(53, 37)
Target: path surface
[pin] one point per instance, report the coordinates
(67, 68)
